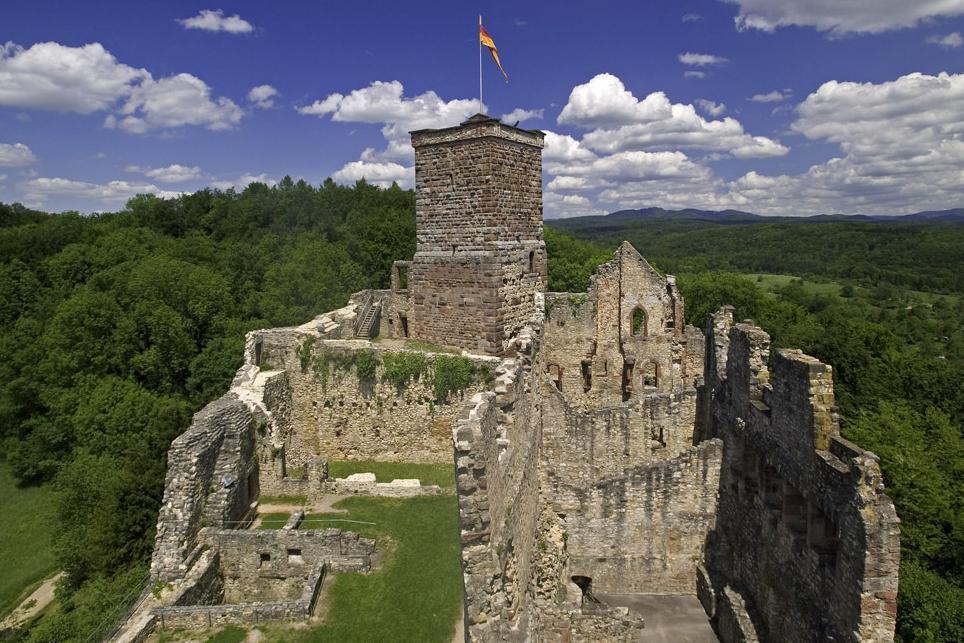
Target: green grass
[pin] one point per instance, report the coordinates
(26, 554)
(771, 283)
(415, 594)
(265, 499)
(274, 520)
(420, 345)
(442, 475)
(230, 634)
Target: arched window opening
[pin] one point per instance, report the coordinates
(650, 376)
(639, 323)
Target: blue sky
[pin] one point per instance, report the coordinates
(769, 106)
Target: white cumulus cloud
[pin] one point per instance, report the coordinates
(386, 103)
(51, 76)
(839, 17)
(215, 20)
(262, 96)
(711, 108)
(521, 115)
(111, 194)
(694, 74)
(243, 181)
(86, 79)
(622, 122)
(16, 155)
(701, 60)
(174, 173)
(172, 102)
(952, 40)
(382, 174)
(770, 97)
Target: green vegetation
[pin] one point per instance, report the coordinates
(416, 593)
(116, 327)
(914, 255)
(429, 474)
(897, 353)
(454, 374)
(273, 520)
(26, 556)
(429, 347)
(230, 634)
(402, 368)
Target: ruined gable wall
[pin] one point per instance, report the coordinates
(805, 534)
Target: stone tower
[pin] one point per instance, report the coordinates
(480, 257)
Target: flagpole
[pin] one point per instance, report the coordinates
(480, 65)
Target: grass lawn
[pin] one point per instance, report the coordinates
(442, 475)
(273, 520)
(415, 594)
(26, 555)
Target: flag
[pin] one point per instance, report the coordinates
(487, 41)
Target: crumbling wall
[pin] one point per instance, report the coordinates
(497, 439)
(581, 448)
(807, 542)
(214, 453)
(623, 340)
(273, 564)
(643, 531)
(332, 413)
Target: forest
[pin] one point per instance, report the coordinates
(116, 327)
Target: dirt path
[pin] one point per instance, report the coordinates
(31, 606)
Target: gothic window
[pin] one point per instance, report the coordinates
(639, 323)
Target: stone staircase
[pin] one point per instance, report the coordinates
(369, 320)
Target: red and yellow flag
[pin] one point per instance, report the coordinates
(487, 41)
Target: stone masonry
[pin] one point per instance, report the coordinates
(806, 544)
(615, 451)
(480, 258)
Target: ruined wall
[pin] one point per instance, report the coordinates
(480, 256)
(581, 447)
(333, 414)
(497, 438)
(643, 531)
(806, 537)
(625, 339)
(211, 478)
(273, 564)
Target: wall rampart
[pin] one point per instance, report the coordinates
(806, 535)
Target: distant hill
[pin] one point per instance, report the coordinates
(622, 217)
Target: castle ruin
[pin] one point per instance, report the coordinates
(614, 452)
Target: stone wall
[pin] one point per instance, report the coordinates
(625, 339)
(644, 530)
(332, 414)
(480, 257)
(806, 538)
(580, 448)
(273, 564)
(211, 479)
(497, 440)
